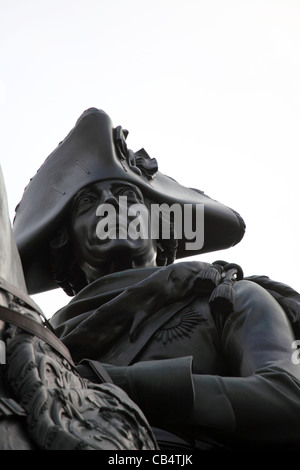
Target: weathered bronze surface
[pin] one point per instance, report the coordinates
(204, 353)
(44, 403)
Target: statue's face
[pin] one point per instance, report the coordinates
(101, 229)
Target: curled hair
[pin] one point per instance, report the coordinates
(64, 269)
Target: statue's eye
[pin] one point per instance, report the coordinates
(130, 193)
(85, 201)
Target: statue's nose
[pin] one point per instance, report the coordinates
(109, 198)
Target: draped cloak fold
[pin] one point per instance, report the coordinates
(247, 387)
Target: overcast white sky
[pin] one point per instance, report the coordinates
(211, 88)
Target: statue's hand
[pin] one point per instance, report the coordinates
(163, 389)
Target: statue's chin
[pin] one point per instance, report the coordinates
(119, 255)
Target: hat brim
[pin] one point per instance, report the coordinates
(88, 155)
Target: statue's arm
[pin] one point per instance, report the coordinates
(258, 401)
(261, 400)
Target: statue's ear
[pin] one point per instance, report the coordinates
(64, 270)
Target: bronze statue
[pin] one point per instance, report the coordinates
(204, 353)
(44, 403)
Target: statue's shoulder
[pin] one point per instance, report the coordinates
(286, 296)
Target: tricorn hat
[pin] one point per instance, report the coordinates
(96, 151)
